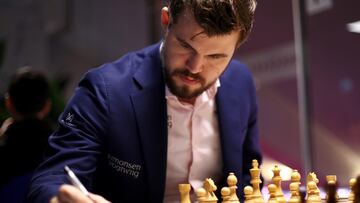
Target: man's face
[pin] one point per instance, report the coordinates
(193, 61)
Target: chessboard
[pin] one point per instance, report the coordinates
(275, 194)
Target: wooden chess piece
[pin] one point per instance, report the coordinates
(206, 193)
(352, 182)
(201, 195)
(255, 182)
(312, 177)
(295, 193)
(331, 185)
(248, 192)
(313, 196)
(184, 190)
(296, 177)
(232, 181)
(272, 193)
(357, 190)
(276, 179)
(225, 194)
(331, 195)
(331, 179)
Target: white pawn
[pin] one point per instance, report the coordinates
(232, 181)
(272, 193)
(248, 192)
(225, 194)
(201, 195)
(296, 177)
(295, 194)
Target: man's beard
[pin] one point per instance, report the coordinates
(183, 91)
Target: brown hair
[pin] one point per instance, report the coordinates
(218, 17)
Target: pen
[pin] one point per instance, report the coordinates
(75, 181)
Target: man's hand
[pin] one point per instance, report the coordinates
(70, 194)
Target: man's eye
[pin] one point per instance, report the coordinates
(216, 56)
(185, 45)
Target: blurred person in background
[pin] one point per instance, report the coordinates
(23, 136)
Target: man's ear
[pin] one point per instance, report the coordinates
(8, 103)
(165, 19)
(45, 110)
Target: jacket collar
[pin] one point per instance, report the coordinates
(150, 110)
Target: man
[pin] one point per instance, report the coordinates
(174, 112)
(24, 135)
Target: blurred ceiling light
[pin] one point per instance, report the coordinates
(353, 27)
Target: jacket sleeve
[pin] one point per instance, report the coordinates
(77, 142)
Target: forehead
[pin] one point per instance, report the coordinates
(186, 24)
(187, 29)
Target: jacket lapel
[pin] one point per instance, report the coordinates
(150, 110)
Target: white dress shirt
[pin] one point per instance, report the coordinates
(194, 150)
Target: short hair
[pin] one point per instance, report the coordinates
(29, 91)
(218, 17)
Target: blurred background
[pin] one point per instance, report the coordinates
(66, 38)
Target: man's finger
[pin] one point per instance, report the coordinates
(69, 193)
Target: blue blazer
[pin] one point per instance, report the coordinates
(113, 131)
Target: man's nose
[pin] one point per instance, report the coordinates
(195, 64)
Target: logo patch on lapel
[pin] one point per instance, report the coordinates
(69, 120)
